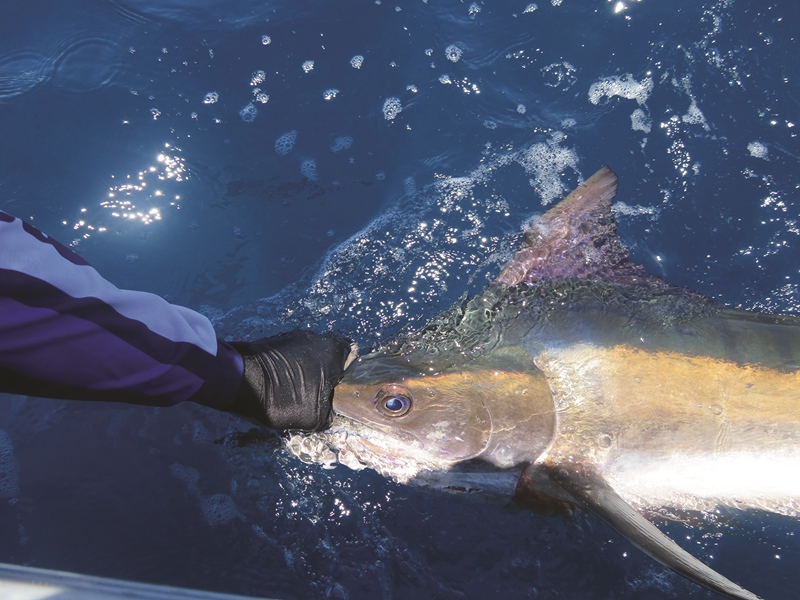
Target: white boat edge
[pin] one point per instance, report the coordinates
(30, 583)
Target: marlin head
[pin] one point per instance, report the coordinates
(474, 419)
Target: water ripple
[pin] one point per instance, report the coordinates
(127, 13)
(21, 72)
(80, 63)
(87, 63)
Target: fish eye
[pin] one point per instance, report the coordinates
(393, 400)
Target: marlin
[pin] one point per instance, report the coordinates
(577, 379)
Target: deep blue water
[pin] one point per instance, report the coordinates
(140, 133)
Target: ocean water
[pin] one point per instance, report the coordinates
(358, 167)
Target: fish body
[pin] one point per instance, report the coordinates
(578, 379)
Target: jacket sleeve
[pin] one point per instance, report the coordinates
(65, 332)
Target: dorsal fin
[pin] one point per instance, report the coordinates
(577, 238)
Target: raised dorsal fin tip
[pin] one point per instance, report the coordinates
(594, 194)
(577, 238)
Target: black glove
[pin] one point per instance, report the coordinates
(289, 379)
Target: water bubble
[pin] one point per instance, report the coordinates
(308, 66)
(624, 87)
(237, 232)
(357, 61)
(309, 169)
(380, 175)
(330, 93)
(211, 98)
(530, 8)
(257, 78)
(560, 74)
(453, 53)
(547, 162)
(695, 116)
(521, 109)
(131, 258)
(330, 232)
(343, 142)
(156, 113)
(285, 143)
(640, 121)
(392, 108)
(620, 208)
(758, 150)
(248, 113)
(262, 97)
(604, 440)
(266, 40)
(445, 79)
(219, 509)
(715, 409)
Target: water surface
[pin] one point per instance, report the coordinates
(358, 167)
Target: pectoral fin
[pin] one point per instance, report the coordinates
(597, 496)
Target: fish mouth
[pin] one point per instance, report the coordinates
(358, 446)
(327, 448)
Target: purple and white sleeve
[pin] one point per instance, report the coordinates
(65, 332)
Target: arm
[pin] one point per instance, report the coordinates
(66, 332)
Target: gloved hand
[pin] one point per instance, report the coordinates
(289, 379)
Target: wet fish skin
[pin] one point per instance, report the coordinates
(604, 387)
